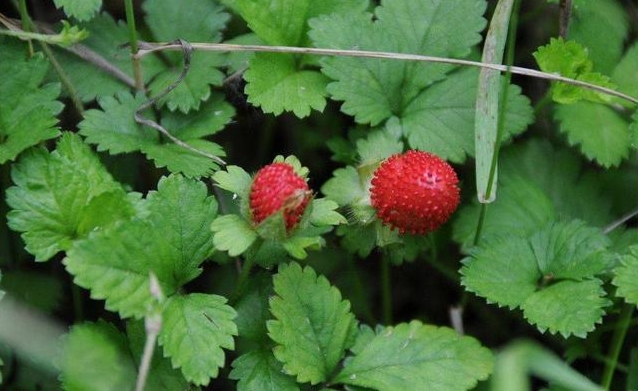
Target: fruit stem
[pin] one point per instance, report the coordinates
(386, 289)
(616, 344)
(242, 280)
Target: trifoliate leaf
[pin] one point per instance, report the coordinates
(414, 356)
(441, 119)
(570, 59)
(106, 364)
(625, 74)
(162, 376)
(79, 9)
(601, 133)
(313, 325)
(27, 108)
(53, 194)
(233, 234)
(195, 328)
(113, 128)
(626, 276)
(258, 370)
(103, 65)
(589, 19)
(193, 21)
(282, 82)
(521, 207)
(296, 245)
(344, 187)
(275, 84)
(545, 270)
(171, 241)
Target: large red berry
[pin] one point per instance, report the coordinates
(275, 187)
(414, 192)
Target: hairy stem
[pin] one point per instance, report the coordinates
(64, 79)
(26, 23)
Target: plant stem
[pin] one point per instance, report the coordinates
(66, 82)
(616, 345)
(26, 23)
(153, 325)
(150, 47)
(137, 65)
(386, 290)
(242, 280)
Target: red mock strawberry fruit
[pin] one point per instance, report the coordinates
(275, 187)
(414, 192)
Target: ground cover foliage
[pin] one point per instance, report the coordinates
(129, 257)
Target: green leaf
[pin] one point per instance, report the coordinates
(542, 273)
(282, 82)
(276, 84)
(232, 234)
(626, 276)
(184, 211)
(521, 208)
(53, 193)
(193, 21)
(559, 172)
(324, 213)
(105, 45)
(27, 107)
(378, 146)
(625, 74)
(195, 329)
(115, 263)
(344, 187)
(313, 325)
(252, 308)
(178, 159)
(284, 22)
(600, 133)
(258, 370)
(106, 364)
(79, 9)
(570, 59)
(441, 118)
(195, 88)
(235, 179)
(435, 117)
(414, 356)
(113, 128)
(209, 120)
(588, 19)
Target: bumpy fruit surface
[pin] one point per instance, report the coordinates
(275, 187)
(415, 192)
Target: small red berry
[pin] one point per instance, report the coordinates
(277, 186)
(414, 192)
